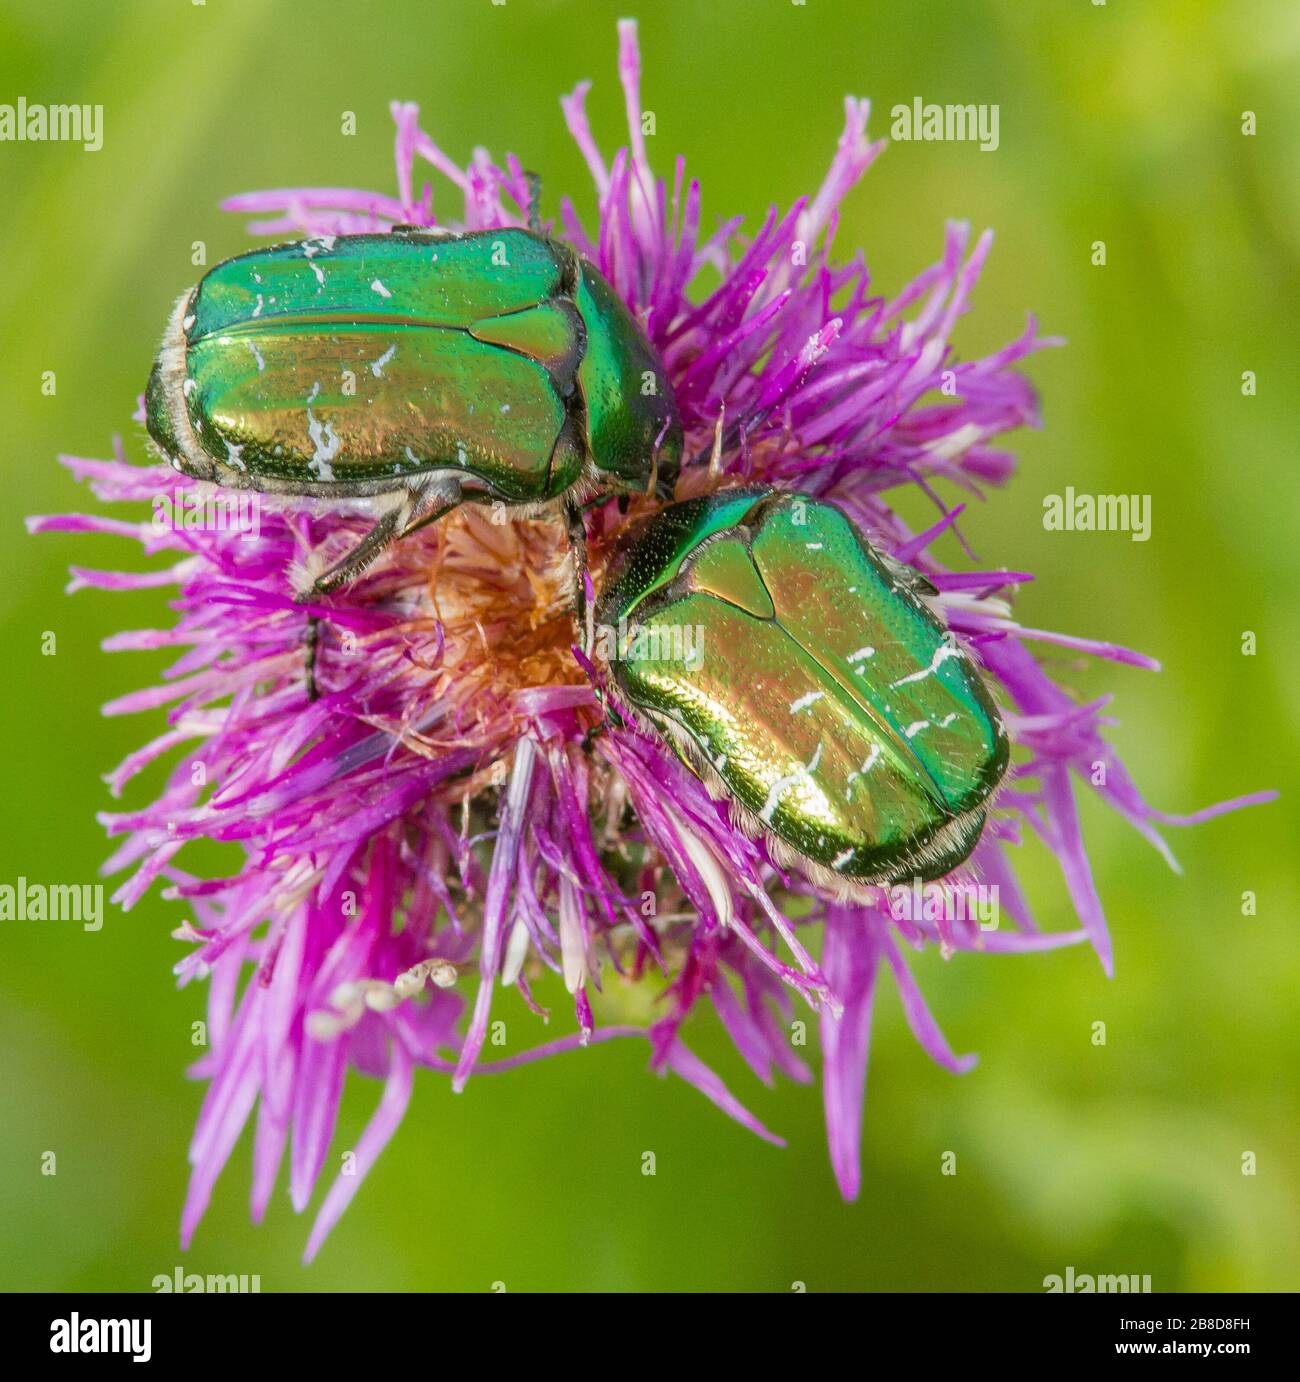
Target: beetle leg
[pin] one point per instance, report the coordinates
(312, 640)
(610, 719)
(355, 562)
(441, 503)
(582, 612)
(415, 506)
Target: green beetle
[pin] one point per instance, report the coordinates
(803, 676)
(417, 370)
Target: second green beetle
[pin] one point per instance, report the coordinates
(806, 679)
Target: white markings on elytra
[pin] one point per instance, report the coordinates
(868, 763)
(327, 445)
(189, 386)
(315, 390)
(235, 455)
(188, 322)
(320, 275)
(257, 309)
(915, 728)
(813, 546)
(947, 720)
(322, 244)
(779, 786)
(412, 457)
(377, 366)
(805, 701)
(257, 355)
(841, 859)
(942, 653)
(861, 655)
(505, 408)
(378, 287)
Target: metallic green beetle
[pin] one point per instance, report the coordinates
(417, 369)
(802, 675)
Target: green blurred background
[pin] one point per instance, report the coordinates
(1119, 123)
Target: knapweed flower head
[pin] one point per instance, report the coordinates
(456, 814)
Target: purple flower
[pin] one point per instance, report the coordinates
(442, 810)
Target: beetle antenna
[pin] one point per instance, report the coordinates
(582, 610)
(715, 458)
(533, 207)
(739, 432)
(663, 480)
